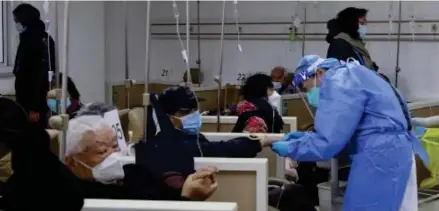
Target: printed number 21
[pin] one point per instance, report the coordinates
(165, 72)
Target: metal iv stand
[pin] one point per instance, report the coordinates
(129, 83)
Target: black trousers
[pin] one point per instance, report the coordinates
(310, 176)
(291, 197)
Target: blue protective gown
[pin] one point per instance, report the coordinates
(360, 111)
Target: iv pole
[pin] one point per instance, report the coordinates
(147, 48)
(64, 69)
(304, 32)
(397, 68)
(198, 37)
(218, 79)
(127, 81)
(188, 37)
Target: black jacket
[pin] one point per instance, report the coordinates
(138, 184)
(40, 181)
(342, 50)
(31, 67)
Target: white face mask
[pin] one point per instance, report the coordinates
(109, 170)
(20, 28)
(277, 85)
(275, 100)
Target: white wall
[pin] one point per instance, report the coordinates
(96, 42)
(86, 45)
(418, 60)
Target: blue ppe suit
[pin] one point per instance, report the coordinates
(360, 112)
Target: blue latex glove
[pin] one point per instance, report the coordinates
(293, 135)
(281, 148)
(420, 131)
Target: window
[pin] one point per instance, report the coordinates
(3, 23)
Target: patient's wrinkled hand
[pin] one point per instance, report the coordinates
(265, 141)
(200, 185)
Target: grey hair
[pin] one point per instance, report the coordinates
(97, 108)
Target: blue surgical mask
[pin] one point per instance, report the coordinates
(362, 30)
(313, 96)
(20, 28)
(277, 85)
(191, 123)
(52, 104)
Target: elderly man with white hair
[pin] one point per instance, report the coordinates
(93, 154)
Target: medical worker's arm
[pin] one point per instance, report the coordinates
(337, 118)
(242, 147)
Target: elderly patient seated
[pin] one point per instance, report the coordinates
(94, 156)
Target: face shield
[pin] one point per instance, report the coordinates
(307, 78)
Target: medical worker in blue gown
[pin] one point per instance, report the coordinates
(360, 112)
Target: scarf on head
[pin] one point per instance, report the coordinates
(359, 47)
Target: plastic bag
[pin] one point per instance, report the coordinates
(430, 142)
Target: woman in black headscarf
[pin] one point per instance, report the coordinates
(32, 63)
(39, 180)
(346, 37)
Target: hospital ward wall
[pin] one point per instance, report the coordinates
(86, 51)
(417, 80)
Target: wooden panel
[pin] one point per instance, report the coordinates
(272, 160)
(421, 112)
(435, 110)
(208, 99)
(232, 94)
(297, 108)
(236, 186)
(136, 94)
(211, 127)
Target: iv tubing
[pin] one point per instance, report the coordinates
(147, 48)
(65, 58)
(220, 69)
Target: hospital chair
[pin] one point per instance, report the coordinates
(293, 105)
(228, 122)
(137, 205)
(55, 122)
(424, 108)
(240, 180)
(276, 164)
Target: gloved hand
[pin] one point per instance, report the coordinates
(420, 131)
(293, 135)
(281, 148)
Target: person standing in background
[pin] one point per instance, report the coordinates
(281, 80)
(346, 35)
(32, 63)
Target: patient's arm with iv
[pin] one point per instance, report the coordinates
(241, 147)
(432, 121)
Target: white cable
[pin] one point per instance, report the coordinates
(184, 53)
(238, 31)
(412, 22)
(65, 57)
(390, 32)
(238, 34)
